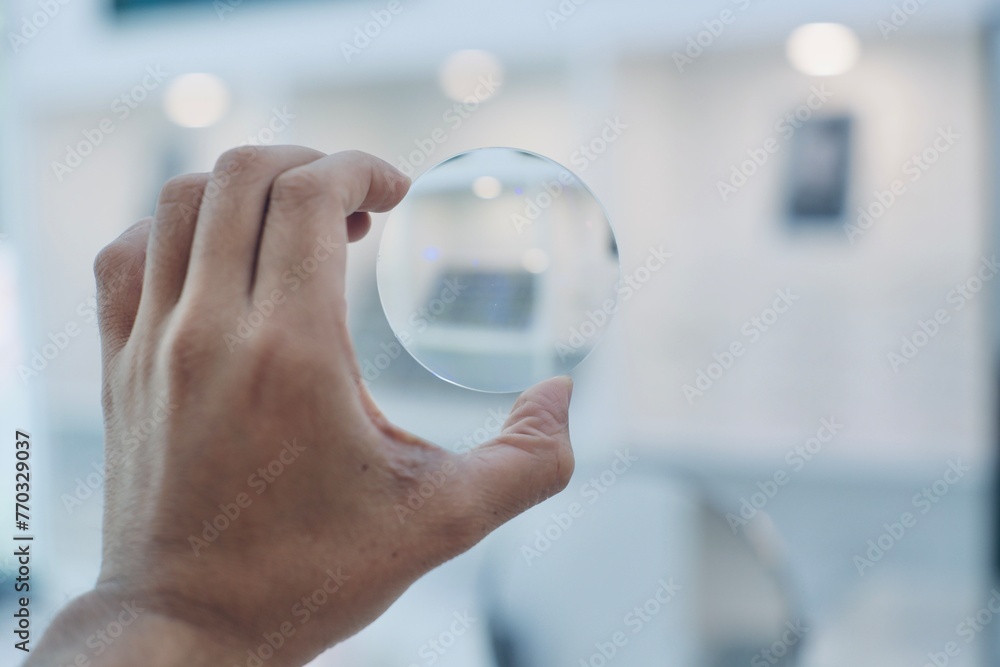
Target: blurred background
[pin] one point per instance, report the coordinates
(786, 439)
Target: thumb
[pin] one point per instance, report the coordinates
(531, 459)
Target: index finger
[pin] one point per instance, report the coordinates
(305, 230)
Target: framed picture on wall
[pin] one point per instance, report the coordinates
(820, 171)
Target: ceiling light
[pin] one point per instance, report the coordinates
(487, 187)
(196, 100)
(471, 76)
(823, 49)
(535, 260)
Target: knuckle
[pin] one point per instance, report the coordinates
(565, 464)
(118, 270)
(298, 187)
(268, 339)
(114, 265)
(185, 332)
(181, 195)
(537, 416)
(235, 161)
(236, 165)
(275, 351)
(178, 205)
(181, 188)
(554, 462)
(106, 262)
(187, 346)
(279, 372)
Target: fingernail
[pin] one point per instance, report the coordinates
(569, 389)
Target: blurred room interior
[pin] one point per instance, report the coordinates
(854, 169)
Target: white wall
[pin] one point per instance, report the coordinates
(828, 354)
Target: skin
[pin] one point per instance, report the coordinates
(189, 419)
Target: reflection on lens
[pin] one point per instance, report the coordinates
(498, 270)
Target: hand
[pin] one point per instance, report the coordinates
(253, 487)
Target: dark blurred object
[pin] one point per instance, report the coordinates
(821, 159)
(128, 7)
(122, 6)
(492, 299)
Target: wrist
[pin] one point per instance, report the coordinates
(113, 629)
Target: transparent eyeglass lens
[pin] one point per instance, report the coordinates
(498, 270)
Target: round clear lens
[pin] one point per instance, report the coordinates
(498, 269)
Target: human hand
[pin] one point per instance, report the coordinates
(206, 418)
